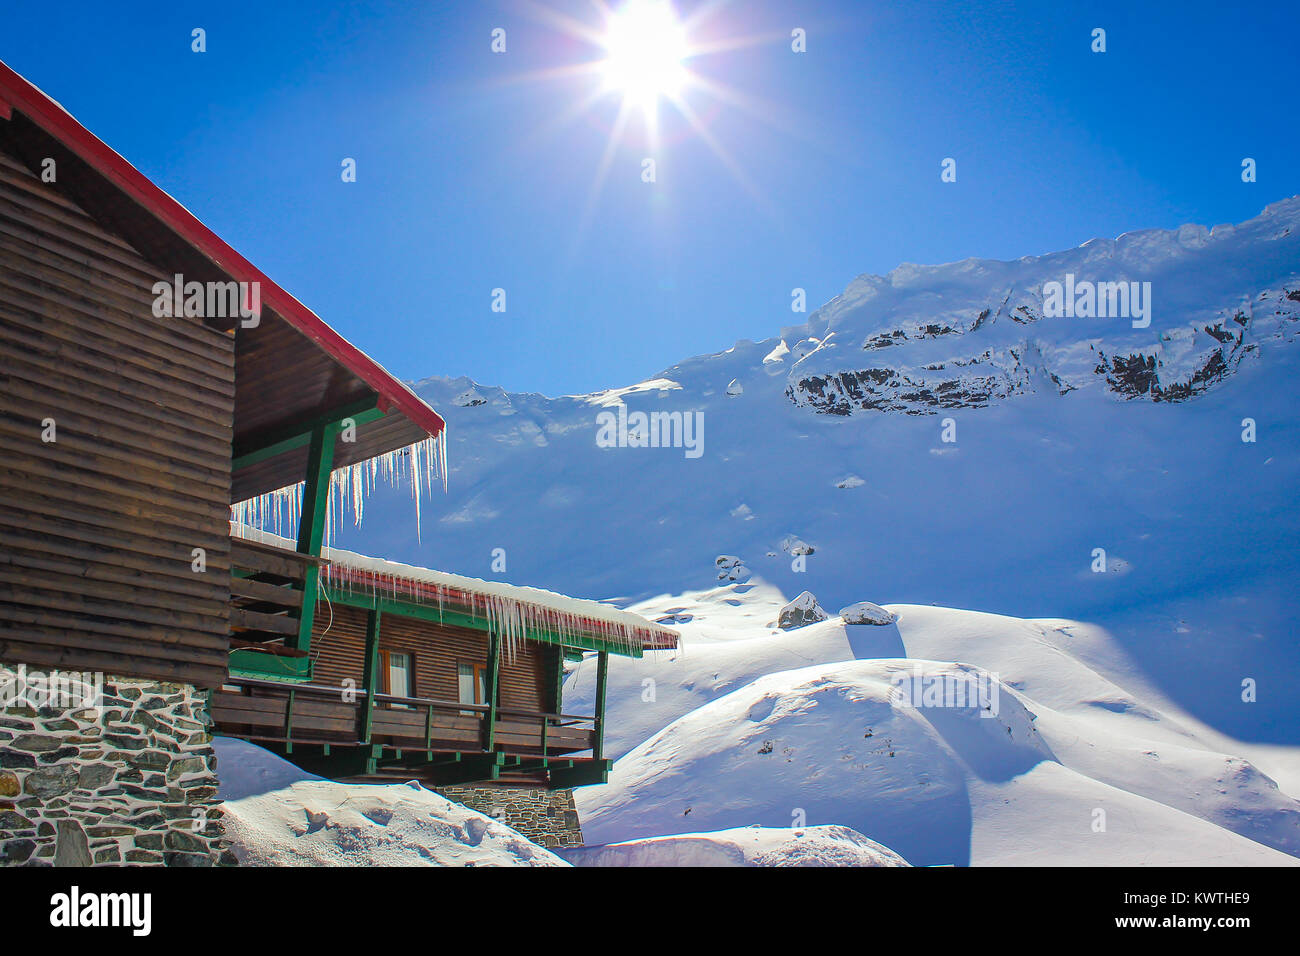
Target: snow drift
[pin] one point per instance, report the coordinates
(746, 846)
(278, 815)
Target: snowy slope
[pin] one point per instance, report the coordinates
(748, 725)
(744, 846)
(278, 815)
(1059, 451)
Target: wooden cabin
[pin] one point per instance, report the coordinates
(126, 435)
(153, 385)
(424, 674)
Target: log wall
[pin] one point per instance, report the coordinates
(98, 527)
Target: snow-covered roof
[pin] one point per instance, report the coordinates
(512, 610)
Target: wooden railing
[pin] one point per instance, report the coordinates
(314, 714)
(266, 592)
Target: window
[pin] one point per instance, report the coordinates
(398, 674)
(471, 687)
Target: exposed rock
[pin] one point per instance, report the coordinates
(797, 546)
(864, 612)
(731, 568)
(801, 611)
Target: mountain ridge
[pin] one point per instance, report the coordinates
(1008, 505)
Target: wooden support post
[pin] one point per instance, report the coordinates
(311, 526)
(490, 691)
(602, 673)
(288, 723)
(371, 675)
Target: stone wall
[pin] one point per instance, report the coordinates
(133, 781)
(547, 817)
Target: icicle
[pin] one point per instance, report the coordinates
(280, 511)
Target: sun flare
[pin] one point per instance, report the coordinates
(646, 46)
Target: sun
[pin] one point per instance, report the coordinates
(645, 46)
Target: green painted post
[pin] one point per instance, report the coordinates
(602, 673)
(371, 673)
(311, 525)
(490, 690)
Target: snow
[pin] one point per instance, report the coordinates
(510, 607)
(748, 726)
(277, 815)
(743, 846)
(991, 451)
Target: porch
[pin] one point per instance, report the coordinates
(348, 733)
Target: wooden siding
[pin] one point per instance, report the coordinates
(97, 528)
(338, 647)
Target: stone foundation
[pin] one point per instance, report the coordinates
(132, 782)
(547, 817)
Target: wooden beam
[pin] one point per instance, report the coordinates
(602, 675)
(311, 528)
(490, 681)
(582, 774)
(371, 674)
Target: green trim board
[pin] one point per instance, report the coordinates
(459, 619)
(246, 662)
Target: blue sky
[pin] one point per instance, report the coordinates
(468, 179)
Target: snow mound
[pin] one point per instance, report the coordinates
(278, 815)
(734, 388)
(1078, 761)
(800, 612)
(743, 846)
(864, 612)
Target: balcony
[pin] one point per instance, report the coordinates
(345, 734)
(342, 731)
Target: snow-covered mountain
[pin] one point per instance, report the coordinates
(933, 436)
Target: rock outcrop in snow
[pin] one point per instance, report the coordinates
(800, 612)
(889, 343)
(864, 612)
(731, 568)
